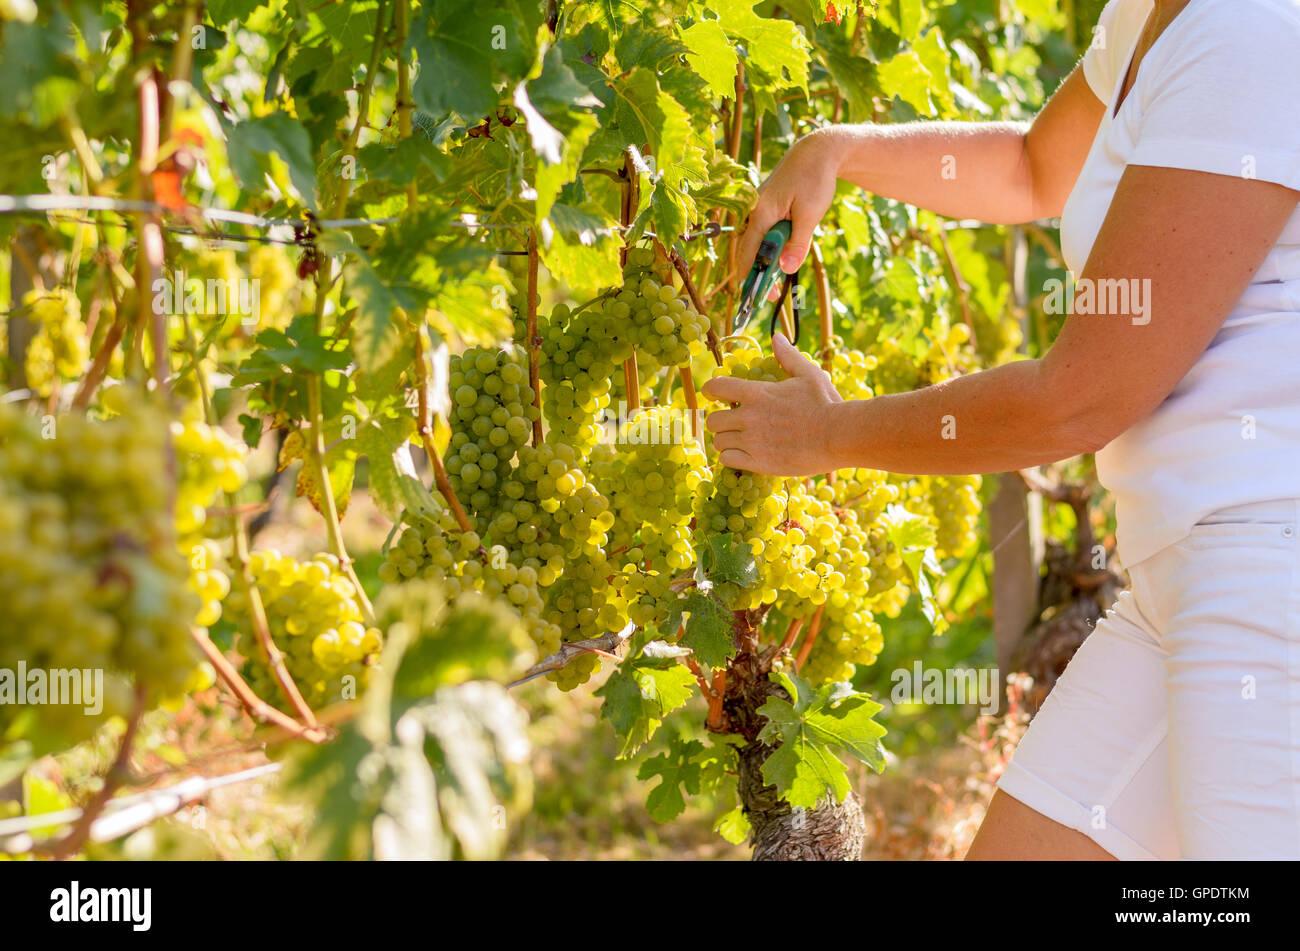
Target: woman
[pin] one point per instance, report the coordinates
(1172, 155)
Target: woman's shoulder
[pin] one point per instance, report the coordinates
(1229, 19)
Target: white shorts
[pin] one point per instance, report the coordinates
(1175, 730)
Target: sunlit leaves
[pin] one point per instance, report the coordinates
(639, 694)
(253, 145)
(813, 728)
(775, 48)
(465, 50)
(712, 56)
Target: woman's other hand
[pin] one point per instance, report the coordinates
(783, 428)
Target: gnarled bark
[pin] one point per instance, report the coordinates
(831, 832)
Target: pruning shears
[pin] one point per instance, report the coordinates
(762, 278)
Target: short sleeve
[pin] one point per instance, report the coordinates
(1112, 37)
(1224, 96)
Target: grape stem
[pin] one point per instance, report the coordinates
(605, 644)
(679, 264)
(329, 509)
(823, 306)
(425, 424)
(714, 720)
(692, 403)
(404, 103)
(792, 633)
(960, 287)
(806, 647)
(117, 774)
(99, 366)
(257, 708)
(827, 352)
(363, 109)
(262, 630)
(693, 666)
(627, 210)
(533, 342)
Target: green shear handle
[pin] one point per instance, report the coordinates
(762, 275)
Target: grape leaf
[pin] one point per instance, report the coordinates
(394, 484)
(811, 731)
(733, 826)
(712, 56)
(222, 12)
(464, 50)
(730, 560)
(639, 694)
(708, 627)
(340, 465)
(676, 769)
(906, 77)
(251, 144)
(774, 47)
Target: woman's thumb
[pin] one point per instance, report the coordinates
(790, 358)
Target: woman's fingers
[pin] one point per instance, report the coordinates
(761, 219)
(728, 440)
(725, 420)
(796, 248)
(729, 389)
(792, 359)
(737, 459)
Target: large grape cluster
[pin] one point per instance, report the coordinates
(431, 547)
(89, 563)
(315, 619)
(746, 505)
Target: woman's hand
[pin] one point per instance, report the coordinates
(800, 188)
(783, 428)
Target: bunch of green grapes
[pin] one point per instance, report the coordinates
(491, 418)
(582, 605)
(89, 563)
(888, 588)
(551, 511)
(650, 475)
(433, 548)
(58, 350)
(998, 338)
(851, 372)
(581, 354)
(840, 649)
(315, 619)
(208, 461)
(219, 270)
(896, 371)
(664, 325)
(953, 502)
(868, 492)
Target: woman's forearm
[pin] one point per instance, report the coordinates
(994, 421)
(958, 169)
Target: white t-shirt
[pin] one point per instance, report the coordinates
(1218, 92)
